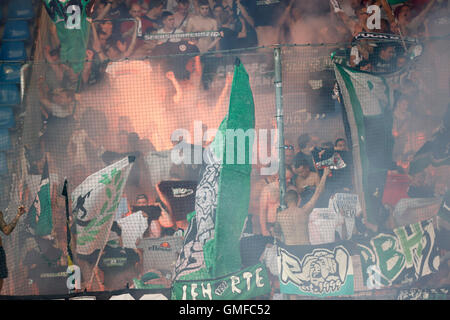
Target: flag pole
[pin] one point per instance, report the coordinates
(280, 125)
(65, 193)
(94, 269)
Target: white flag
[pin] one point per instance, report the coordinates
(95, 202)
(133, 228)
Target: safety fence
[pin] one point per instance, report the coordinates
(110, 138)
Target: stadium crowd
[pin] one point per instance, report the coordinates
(129, 29)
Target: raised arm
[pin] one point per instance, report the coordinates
(8, 228)
(133, 40)
(224, 94)
(87, 68)
(105, 11)
(196, 75)
(285, 15)
(96, 46)
(417, 20)
(165, 220)
(349, 23)
(309, 206)
(179, 91)
(243, 32)
(245, 14)
(166, 216)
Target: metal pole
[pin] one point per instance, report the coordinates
(280, 126)
(23, 80)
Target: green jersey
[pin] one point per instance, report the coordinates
(72, 29)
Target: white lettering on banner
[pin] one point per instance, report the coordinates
(184, 297)
(235, 281)
(193, 293)
(248, 277)
(74, 17)
(259, 284)
(266, 2)
(377, 36)
(181, 192)
(206, 290)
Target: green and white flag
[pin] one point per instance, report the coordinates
(251, 282)
(211, 245)
(368, 100)
(72, 29)
(40, 213)
(95, 202)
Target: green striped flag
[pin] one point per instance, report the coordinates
(368, 100)
(72, 29)
(40, 213)
(211, 245)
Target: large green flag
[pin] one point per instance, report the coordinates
(368, 100)
(211, 245)
(72, 29)
(40, 213)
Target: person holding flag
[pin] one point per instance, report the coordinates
(94, 204)
(7, 229)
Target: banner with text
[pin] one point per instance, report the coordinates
(246, 284)
(400, 257)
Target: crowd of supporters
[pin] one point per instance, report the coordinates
(122, 29)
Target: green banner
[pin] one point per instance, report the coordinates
(40, 213)
(246, 284)
(211, 245)
(368, 103)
